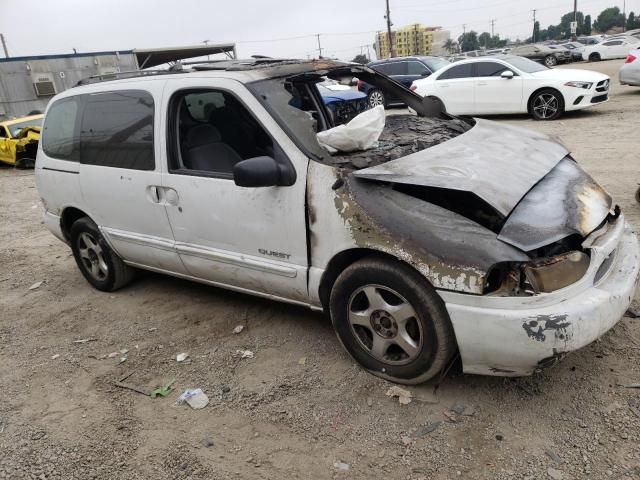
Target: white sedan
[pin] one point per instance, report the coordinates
(511, 84)
(617, 47)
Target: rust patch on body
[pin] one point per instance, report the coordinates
(541, 325)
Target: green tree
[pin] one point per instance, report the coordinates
(565, 23)
(586, 27)
(497, 42)
(468, 41)
(450, 46)
(633, 22)
(484, 39)
(609, 18)
(360, 59)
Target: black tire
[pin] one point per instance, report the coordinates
(429, 327)
(112, 272)
(375, 97)
(595, 57)
(550, 61)
(25, 163)
(555, 109)
(638, 195)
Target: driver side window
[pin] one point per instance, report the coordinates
(212, 132)
(3, 132)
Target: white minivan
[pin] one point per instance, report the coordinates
(450, 237)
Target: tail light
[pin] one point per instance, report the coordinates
(630, 59)
(413, 87)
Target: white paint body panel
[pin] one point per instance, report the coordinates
(607, 50)
(497, 95)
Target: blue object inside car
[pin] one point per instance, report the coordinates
(343, 102)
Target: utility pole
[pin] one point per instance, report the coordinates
(319, 46)
(624, 15)
(464, 29)
(392, 52)
(4, 46)
(492, 24)
(534, 26)
(574, 36)
(368, 53)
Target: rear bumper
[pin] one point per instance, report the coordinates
(630, 76)
(513, 336)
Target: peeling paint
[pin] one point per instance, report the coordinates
(540, 324)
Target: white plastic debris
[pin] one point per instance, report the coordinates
(181, 357)
(53, 357)
(245, 353)
(341, 466)
(238, 329)
(36, 285)
(361, 133)
(404, 396)
(195, 398)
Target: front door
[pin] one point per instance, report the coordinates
(455, 87)
(7, 146)
(495, 94)
(121, 178)
(249, 239)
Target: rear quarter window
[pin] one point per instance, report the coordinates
(60, 133)
(117, 130)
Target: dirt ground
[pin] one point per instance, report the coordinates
(301, 408)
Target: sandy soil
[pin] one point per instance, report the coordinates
(301, 405)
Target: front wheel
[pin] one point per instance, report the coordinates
(595, 57)
(546, 105)
(391, 321)
(376, 97)
(100, 265)
(550, 61)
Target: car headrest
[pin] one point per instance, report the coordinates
(202, 135)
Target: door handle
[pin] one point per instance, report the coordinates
(153, 194)
(482, 83)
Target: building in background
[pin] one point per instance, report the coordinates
(411, 40)
(28, 83)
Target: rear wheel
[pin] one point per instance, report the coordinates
(550, 61)
(391, 321)
(100, 265)
(546, 104)
(24, 163)
(376, 97)
(595, 57)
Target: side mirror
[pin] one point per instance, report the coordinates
(256, 172)
(507, 74)
(426, 73)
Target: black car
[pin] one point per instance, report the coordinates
(403, 70)
(550, 55)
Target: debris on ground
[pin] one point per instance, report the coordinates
(458, 409)
(341, 466)
(634, 310)
(302, 361)
(553, 456)
(181, 357)
(53, 357)
(631, 385)
(238, 329)
(85, 340)
(195, 398)
(164, 390)
(450, 416)
(554, 474)
(427, 429)
(36, 285)
(245, 353)
(112, 355)
(404, 396)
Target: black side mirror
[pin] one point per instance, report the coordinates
(257, 172)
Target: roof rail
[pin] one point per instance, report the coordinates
(129, 74)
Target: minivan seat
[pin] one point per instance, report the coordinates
(203, 150)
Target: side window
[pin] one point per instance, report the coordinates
(60, 133)
(393, 68)
(3, 132)
(417, 68)
(610, 44)
(459, 71)
(117, 130)
(213, 131)
(489, 69)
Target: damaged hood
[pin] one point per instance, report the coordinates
(496, 162)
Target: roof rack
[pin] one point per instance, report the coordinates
(129, 74)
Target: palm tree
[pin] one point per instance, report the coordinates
(450, 46)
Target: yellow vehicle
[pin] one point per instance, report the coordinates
(19, 141)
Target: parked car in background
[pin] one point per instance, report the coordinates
(497, 51)
(590, 39)
(403, 70)
(453, 237)
(630, 72)
(343, 102)
(611, 48)
(628, 33)
(576, 49)
(19, 141)
(543, 53)
(512, 84)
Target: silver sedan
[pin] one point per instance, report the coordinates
(630, 71)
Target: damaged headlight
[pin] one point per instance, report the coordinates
(553, 273)
(585, 85)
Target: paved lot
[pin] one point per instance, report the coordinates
(301, 404)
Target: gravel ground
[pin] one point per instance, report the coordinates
(301, 408)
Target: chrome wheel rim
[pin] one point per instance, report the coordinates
(376, 98)
(92, 257)
(385, 324)
(545, 105)
(550, 61)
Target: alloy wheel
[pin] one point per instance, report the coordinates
(92, 256)
(550, 61)
(385, 324)
(546, 105)
(376, 98)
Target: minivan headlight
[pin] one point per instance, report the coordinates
(553, 273)
(585, 85)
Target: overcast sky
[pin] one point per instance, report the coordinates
(275, 27)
